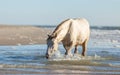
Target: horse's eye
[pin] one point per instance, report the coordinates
(52, 47)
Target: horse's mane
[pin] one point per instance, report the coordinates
(58, 28)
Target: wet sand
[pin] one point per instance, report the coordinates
(22, 35)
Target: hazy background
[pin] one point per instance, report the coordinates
(52, 12)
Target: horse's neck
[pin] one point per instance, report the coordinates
(62, 31)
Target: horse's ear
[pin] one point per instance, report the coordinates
(48, 35)
(54, 35)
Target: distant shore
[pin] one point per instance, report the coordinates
(22, 35)
(29, 35)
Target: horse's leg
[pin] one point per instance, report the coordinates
(65, 49)
(84, 47)
(68, 50)
(76, 49)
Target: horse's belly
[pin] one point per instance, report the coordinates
(80, 41)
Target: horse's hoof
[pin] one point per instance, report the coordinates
(83, 54)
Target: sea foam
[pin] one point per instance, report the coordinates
(59, 57)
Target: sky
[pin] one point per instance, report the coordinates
(52, 12)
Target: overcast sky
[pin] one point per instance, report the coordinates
(52, 12)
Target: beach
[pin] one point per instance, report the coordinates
(23, 48)
(22, 35)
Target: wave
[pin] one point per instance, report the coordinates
(92, 27)
(106, 27)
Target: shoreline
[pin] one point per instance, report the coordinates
(16, 72)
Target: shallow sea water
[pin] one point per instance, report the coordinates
(103, 60)
(103, 57)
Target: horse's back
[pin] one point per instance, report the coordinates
(81, 22)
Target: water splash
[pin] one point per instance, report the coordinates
(59, 57)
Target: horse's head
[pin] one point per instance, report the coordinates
(52, 46)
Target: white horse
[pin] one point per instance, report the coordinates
(71, 32)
